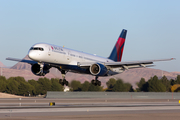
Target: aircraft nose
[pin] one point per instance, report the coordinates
(32, 55)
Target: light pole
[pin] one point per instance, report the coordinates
(1, 71)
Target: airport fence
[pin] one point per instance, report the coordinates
(118, 95)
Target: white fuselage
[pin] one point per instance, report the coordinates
(62, 56)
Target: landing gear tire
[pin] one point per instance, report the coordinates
(63, 82)
(93, 82)
(96, 82)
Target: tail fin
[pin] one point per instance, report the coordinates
(117, 51)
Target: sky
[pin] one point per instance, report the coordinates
(93, 26)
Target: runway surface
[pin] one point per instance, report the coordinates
(84, 109)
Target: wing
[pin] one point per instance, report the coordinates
(125, 65)
(22, 60)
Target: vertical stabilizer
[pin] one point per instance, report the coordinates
(117, 51)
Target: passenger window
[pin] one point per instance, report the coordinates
(37, 48)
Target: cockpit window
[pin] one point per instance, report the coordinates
(37, 48)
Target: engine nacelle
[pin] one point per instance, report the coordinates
(40, 69)
(98, 69)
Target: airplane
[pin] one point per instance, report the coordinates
(45, 56)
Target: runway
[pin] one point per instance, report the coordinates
(105, 109)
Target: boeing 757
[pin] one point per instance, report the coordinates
(45, 56)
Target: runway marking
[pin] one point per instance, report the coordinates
(89, 109)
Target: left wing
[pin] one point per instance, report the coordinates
(126, 65)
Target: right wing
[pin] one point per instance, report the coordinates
(22, 60)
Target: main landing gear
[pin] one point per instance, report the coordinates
(96, 82)
(63, 81)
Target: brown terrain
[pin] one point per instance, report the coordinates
(132, 76)
(5, 95)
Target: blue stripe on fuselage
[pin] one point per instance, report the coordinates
(73, 68)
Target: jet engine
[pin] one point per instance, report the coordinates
(98, 69)
(40, 69)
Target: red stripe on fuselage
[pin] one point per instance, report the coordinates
(119, 48)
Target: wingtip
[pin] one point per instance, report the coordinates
(7, 58)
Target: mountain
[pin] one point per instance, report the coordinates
(132, 76)
(21, 65)
(2, 65)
